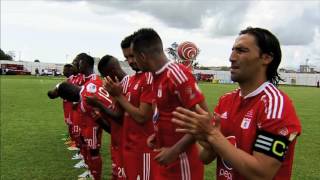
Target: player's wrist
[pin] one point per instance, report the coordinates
(213, 135)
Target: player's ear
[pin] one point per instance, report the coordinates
(142, 56)
(267, 58)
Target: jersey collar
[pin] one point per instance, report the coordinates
(255, 92)
(164, 67)
(90, 76)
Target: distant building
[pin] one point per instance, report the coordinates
(307, 69)
(42, 67)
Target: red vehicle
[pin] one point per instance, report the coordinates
(14, 69)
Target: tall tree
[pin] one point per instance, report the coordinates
(4, 56)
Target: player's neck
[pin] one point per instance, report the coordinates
(88, 73)
(249, 86)
(160, 62)
(121, 75)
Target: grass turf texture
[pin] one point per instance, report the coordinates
(32, 124)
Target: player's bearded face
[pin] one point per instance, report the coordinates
(140, 62)
(128, 54)
(245, 59)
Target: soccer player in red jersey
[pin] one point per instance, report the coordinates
(254, 131)
(86, 75)
(173, 86)
(109, 66)
(68, 72)
(137, 124)
(91, 131)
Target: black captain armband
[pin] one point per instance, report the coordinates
(272, 145)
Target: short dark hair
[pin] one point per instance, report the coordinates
(147, 40)
(69, 91)
(268, 44)
(68, 66)
(126, 42)
(87, 58)
(104, 61)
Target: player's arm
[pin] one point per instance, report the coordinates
(206, 153)
(116, 115)
(256, 166)
(140, 114)
(168, 155)
(104, 124)
(53, 93)
(188, 139)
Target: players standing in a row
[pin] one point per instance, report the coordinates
(109, 66)
(173, 85)
(137, 123)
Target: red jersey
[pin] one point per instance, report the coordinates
(80, 80)
(116, 141)
(77, 79)
(116, 128)
(94, 87)
(175, 86)
(90, 130)
(266, 109)
(136, 134)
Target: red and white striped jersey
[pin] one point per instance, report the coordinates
(174, 86)
(137, 90)
(116, 128)
(266, 109)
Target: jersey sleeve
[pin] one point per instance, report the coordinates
(147, 94)
(185, 86)
(277, 116)
(94, 89)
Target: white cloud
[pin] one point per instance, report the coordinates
(50, 30)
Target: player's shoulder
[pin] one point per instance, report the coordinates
(178, 73)
(125, 83)
(275, 101)
(230, 95)
(148, 77)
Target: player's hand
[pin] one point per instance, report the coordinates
(166, 155)
(197, 123)
(151, 141)
(92, 101)
(95, 114)
(204, 144)
(52, 94)
(114, 88)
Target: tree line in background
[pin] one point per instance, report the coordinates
(4, 56)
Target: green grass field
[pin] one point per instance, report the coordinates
(31, 128)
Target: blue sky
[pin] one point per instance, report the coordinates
(57, 30)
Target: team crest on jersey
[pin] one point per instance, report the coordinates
(245, 123)
(136, 86)
(91, 88)
(156, 115)
(159, 94)
(247, 120)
